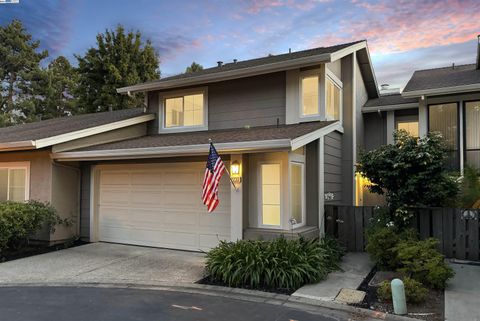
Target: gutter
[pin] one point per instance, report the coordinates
(20, 145)
(441, 91)
(375, 109)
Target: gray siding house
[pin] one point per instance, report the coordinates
(290, 127)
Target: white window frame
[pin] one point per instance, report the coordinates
(339, 84)
(18, 165)
(181, 93)
(303, 75)
(304, 212)
(260, 194)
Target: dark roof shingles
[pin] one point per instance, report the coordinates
(443, 77)
(388, 100)
(260, 61)
(217, 136)
(64, 125)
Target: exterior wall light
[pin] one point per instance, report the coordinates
(236, 172)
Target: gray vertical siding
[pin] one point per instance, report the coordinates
(311, 184)
(253, 101)
(333, 166)
(375, 133)
(152, 107)
(361, 97)
(85, 203)
(349, 118)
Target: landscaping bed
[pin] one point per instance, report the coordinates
(432, 309)
(278, 266)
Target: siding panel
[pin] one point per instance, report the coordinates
(333, 166)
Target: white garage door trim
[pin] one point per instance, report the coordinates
(124, 189)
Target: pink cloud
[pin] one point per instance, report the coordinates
(257, 6)
(406, 25)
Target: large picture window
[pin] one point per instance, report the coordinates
(443, 118)
(184, 111)
(472, 133)
(13, 182)
(270, 185)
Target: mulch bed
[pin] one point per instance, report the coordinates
(35, 249)
(433, 309)
(209, 281)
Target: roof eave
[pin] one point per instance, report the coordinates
(227, 75)
(374, 109)
(19, 145)
(441, 91)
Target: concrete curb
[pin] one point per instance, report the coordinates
(302, 303)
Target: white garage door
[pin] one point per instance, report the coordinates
(160, 205)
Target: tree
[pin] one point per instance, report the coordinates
(19, 68)
(120, 59)
(410, 172)
(54, 91)
(194, 67)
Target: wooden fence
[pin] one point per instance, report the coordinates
(457, 230)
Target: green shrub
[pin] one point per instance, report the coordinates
(18, 221)
(469, 196)
(276, 264)
(415, 292)
(422, 261)
(381, 247)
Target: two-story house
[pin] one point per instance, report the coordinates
(288, 125)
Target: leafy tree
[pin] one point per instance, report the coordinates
(19, 68)
(54, 91)
(410, 172)
(120, 59)
(469, 196)
(194, 67)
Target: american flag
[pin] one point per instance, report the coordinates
(213, 173)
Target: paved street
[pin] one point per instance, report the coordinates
(113, 304)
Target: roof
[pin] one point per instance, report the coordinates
(191, 143)
(246, 68)
(445, 80)
(389, 102)
(34, 134)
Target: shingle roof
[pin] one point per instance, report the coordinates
(217, 136)
(263, 61)
(388, 100)
(58, 126)
(443, 77)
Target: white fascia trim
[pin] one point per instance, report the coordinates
(91, 131)
(347, 51)
(442, 91)
(375, 109)
(310, 137)
(227, 75)
(171, 151)
(20, 145)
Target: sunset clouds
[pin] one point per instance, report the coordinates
(402, 35)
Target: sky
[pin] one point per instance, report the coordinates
(402, 36)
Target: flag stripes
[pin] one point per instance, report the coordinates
(213, 173)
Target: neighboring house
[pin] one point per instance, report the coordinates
(291, 121)
(445, 100)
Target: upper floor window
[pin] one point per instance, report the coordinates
(310, 96)
(184, 111)
(14, 182)
(334, 100)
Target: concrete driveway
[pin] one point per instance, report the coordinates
(106, 263)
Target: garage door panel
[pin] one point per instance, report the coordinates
(160, 205)
(116, 178)
(146, 178)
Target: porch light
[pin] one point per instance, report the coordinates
(236, 172)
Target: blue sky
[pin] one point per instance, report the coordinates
(402, 35)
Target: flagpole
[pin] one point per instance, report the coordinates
(229, 176)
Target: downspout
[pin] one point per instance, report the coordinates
(478, 52)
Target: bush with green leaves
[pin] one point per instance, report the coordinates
(277, 264)
(469, 196)
(381, 244)
(410, 172)
(19, 220)
(415, 292)
(422, 261)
